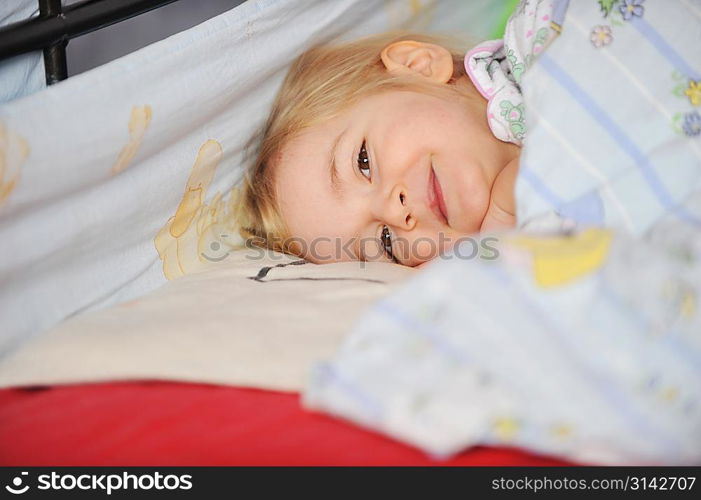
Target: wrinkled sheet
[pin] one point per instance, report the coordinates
(580, 336)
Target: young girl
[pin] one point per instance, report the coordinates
(386, 148)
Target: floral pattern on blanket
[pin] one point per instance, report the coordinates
(687, 123)
(620, 14)
(616, 12)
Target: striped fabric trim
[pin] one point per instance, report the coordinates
(619, 136)
(605, 185)
(667, 51)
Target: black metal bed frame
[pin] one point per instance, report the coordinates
(56, 25)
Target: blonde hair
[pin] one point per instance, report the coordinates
(321, 83)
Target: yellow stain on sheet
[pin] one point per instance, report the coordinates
(561, 431)
(198, 233)
(680, 297)
(669, 394)
(14, 150)
(138, 124)
(409, 14)
(506, 428)
(688, 305)
(562, 259)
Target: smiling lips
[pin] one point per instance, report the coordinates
(435, 198)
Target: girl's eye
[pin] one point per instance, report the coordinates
(386, 237)
(364, 161)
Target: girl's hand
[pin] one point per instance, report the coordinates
(501, 213)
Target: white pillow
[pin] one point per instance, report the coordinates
(250, 320)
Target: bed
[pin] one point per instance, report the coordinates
(167, 416)
(193, 389)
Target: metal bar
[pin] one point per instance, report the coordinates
(55, 65)
(75, 20)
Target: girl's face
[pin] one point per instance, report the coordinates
(400, 176)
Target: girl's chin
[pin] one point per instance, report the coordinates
(467, 219)
(466, 226)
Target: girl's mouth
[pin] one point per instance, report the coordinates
(435, 198)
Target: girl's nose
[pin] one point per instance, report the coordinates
(397, 210)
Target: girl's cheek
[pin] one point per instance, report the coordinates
(424, 249)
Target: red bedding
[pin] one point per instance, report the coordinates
(168, 423)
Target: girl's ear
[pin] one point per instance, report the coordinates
(427, 60)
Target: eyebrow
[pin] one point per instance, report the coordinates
(333, 166)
